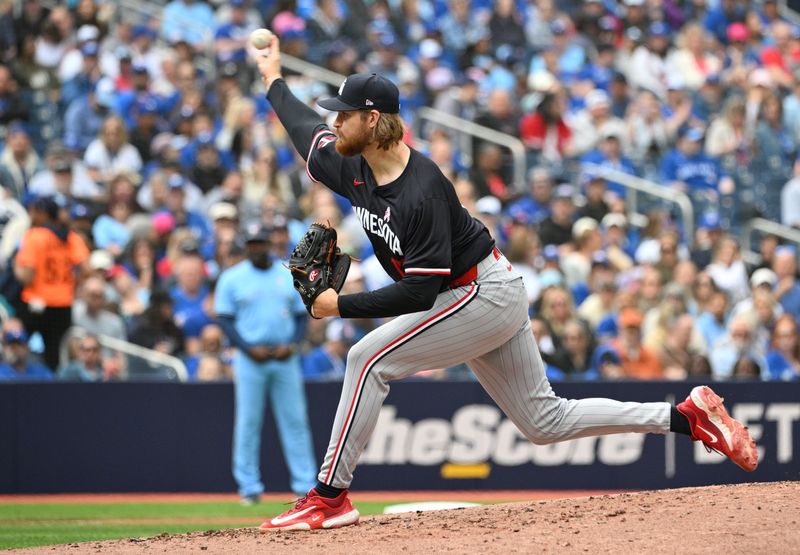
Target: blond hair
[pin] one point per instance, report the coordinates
(388, 131)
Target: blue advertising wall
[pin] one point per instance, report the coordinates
(138, 437)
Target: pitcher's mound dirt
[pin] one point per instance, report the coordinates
(756, 518)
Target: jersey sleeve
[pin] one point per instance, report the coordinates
(224, 304)
(428, 243)
(323, 163)
(30, 245)
(78, 251)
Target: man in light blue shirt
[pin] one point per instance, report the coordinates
(264, 318)
(187, 20)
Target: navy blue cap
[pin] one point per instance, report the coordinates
(142, 31)
(658, 29)
(600, 258)
(139, 68)
(558, 27)
(710, 221)
(89, 49)
(79, 211)
(176, 181)
(48, 205)
(146, 106)
(16, 336)
(17, 127)
(550, 253)
(256, 232)
(692, 133)
(364, 91)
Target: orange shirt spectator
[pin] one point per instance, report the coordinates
(637, 361)
(46, 265)
(53, 261)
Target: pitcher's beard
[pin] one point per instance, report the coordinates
(351, 146)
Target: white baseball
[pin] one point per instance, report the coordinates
(261, 38)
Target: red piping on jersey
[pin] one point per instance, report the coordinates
(384, 351)
(311, 148)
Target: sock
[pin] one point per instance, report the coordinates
(678, 423)
(327, 491)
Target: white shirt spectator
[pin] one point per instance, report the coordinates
(790, 203)
(43, 183)
(98, 156)
(647, 70)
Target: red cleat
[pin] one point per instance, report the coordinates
(313, 512)
(712, 425)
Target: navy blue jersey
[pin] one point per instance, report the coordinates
(416, 224)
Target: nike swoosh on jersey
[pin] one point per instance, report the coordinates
(356, 183)
(280, 520)
(713, 438)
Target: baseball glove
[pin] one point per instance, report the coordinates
(317, 264)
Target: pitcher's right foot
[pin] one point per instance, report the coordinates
(314, 512)
(712, 425)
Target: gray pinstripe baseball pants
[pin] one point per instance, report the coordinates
(484, 324)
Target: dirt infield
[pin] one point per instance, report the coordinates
(747, 518)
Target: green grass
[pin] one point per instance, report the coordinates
(36, 524)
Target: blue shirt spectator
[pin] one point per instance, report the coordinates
(85, 115)
(187, 20)
(18, 364)
(779, 368)
(688, 164)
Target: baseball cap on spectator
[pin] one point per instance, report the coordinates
(189, 246)
(550, 277)
(692, 134)
(541, 81)
(288, 25)
(139, 69)
(139, 31)
(611, 132)
(710, 221)
(783, 250)
(256, 232)
(658, 29)
(634, 2)
(633, 34)
(236, 3)
(48, 205)
(583, 226)
(229, 69)
(104, 91)
(17, 127)
(101, 259)
(116, 270)
(675, 290)
(87, 33)
(630, 318)
(597, 98)
(550, 253)
(15, 336)
(176, 181)
(760, 77)
(123, 52)
(600, 258)
(737, 32)
(712, 79)
(205, 139)
(558, 27)
(163, 222)
(222, 211)
(675, 83)
(279, 222)
(146, 107)
(605, 354)
(89, 49)
(62, 164)
(763, 276)
(607, 328)
(607, 23)
(364, 91)
(488, 205)
(614, 219)
(79, 211)
(430, 49)
(565, 191)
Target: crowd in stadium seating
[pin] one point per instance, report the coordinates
(149, 141)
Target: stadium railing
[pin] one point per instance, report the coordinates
(634, 185)
(767, 227)
(142, 364)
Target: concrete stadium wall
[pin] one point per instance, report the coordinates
(138, 437)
